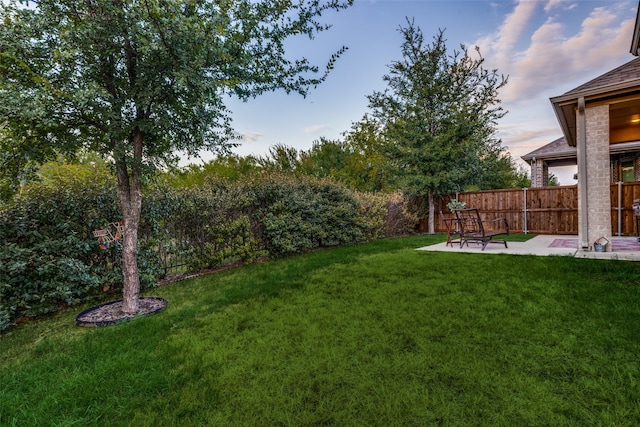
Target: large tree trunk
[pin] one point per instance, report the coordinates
(130, 196)
(432, 213)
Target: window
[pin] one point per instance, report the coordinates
(626, 171)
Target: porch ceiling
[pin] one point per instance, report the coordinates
(624, 114)
(619, 86)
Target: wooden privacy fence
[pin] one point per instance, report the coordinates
(544, 210)
(623, 218)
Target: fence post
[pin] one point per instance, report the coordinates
(457, 225)
(525, 231)
(619, 208)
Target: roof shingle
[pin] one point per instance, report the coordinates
(558, 149)
(622, 74)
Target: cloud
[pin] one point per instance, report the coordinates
(523, 138)
(551, 58)
(250, 137)
(502, 43)
(315, 129)
(565, 4)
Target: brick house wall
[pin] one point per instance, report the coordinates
(598, 173)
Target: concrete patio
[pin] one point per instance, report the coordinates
(545, 245)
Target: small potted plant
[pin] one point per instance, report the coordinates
(455, 205)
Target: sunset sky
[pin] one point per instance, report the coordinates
(545, 48)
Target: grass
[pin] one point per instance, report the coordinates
(372, 335)
(518, 237)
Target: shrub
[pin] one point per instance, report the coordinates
(38, 280)
(209, 225)
(50, 258)
(227, 241)
(401, 219)
(372, 214)
(299, 214)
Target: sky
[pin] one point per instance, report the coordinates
(545, 47)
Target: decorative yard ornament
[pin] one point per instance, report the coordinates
(109, 234)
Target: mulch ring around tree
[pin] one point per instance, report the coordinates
(111, 313)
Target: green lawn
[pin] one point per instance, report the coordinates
(372, 335)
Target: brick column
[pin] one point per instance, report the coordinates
(539, 173)
(598, 173)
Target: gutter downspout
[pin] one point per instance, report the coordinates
(582, 174)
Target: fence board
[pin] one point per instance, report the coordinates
(549, 210)
(625, 194)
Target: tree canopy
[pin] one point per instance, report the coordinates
(137, 81)
(438, 115)
(100, 70)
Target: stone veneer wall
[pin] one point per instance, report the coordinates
(598, 174)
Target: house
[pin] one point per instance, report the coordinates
(601, 121)
(554, 154)
(624, 147)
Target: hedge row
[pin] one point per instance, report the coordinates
(49, 257)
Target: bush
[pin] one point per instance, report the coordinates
(372, 214)
(299, 214)
(227, 241)
(209, 225)
(401, 218)
(50, 258)
(38, 281)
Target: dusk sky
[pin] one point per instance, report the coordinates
(545, 48)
